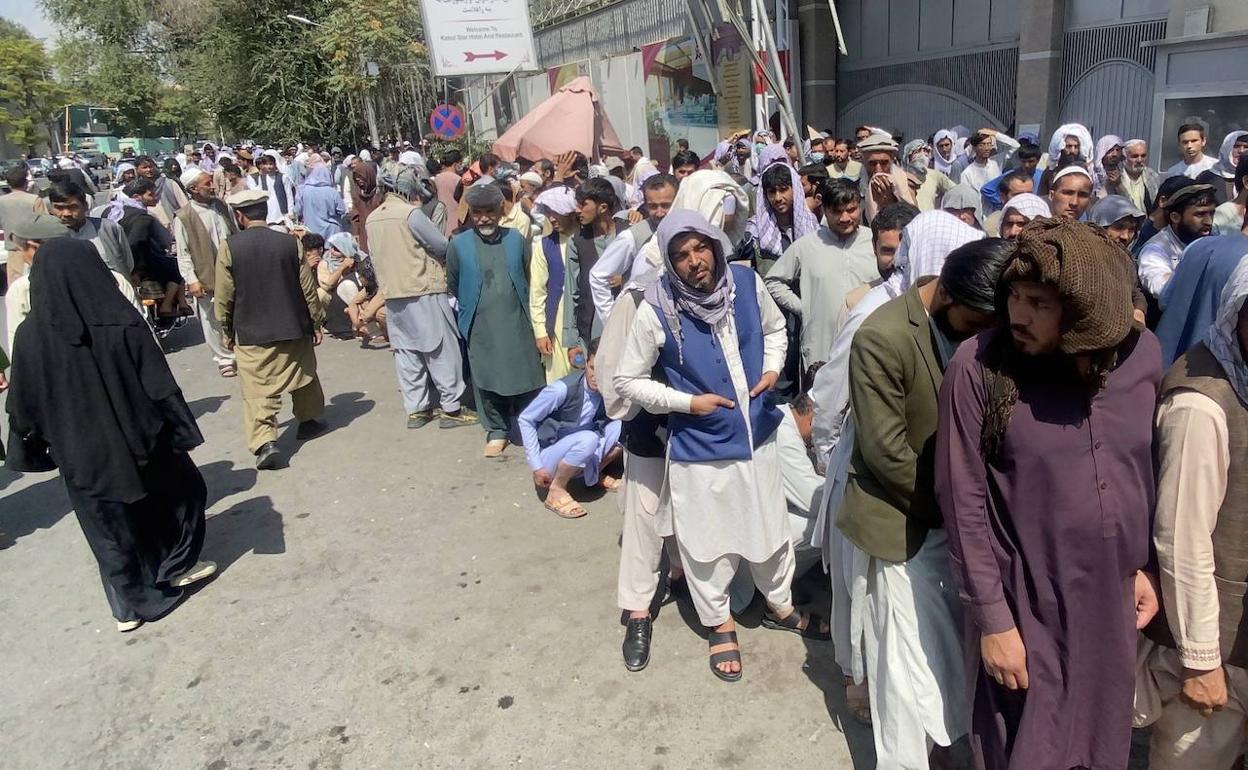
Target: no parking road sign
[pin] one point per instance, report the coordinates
(447, 121)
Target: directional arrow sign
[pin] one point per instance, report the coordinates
(497, 56)
(481, 37)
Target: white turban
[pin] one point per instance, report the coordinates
(410, 158)
(559, 201)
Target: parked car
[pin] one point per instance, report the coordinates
(94, 158)
(39, 166)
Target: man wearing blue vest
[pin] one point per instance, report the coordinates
(718, 340)
(548, 268)
(567, 434)
(487, 271)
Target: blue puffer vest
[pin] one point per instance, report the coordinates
(722, 434)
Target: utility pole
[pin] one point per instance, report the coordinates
(370, 112)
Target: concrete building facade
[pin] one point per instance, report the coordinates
(1135, 68)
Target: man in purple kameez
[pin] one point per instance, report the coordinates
(1044, 474)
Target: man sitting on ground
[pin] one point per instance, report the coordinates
(566, 434)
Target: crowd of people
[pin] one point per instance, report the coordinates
(995, 394)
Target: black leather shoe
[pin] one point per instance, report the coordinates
(268, 457)
(310, 429)
(637, 643)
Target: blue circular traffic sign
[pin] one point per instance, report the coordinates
(447, 121)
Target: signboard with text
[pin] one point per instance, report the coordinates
(478, 37)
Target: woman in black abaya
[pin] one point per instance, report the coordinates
(91, 394)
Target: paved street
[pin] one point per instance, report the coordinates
(389, 600)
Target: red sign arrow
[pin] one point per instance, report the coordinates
(496, 56)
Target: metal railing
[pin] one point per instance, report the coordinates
(543, 13)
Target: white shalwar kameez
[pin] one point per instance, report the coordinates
(888, 625)
(723, 511)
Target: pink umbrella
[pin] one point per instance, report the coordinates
(570, 120)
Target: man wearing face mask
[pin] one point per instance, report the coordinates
(913, 620)
(271, 318)
(486, 271)
(818, 153)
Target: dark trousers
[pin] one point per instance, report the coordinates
(497, 413)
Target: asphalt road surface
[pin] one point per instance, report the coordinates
(389, 600)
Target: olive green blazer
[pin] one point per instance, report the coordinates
(894, 379)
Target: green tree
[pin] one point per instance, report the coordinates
(29, 96)
(243, 66)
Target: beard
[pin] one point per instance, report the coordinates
(1186, 234)
(486, 231)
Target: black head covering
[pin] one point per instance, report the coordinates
(88, 378)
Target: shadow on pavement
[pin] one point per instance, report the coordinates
(206, 405)
(251, 526)
(38, 506)
(821, 669)
(188, 336)
(340, 411)
(223, 479)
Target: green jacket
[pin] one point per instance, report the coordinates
(894, 379)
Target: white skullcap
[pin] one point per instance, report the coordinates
(410, 158)
(190, 175)
(1073, 168)
(1029, 205)
(532, 177)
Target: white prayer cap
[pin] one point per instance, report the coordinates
(190, 175)
(559, 201)
(532, 178)
(1029, 205)
(410, 158)
(1073, 168)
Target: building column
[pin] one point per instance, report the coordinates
(1038, 99)
(817, 47)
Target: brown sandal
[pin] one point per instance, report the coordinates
(568, 509)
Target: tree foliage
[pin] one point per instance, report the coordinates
(242, 66)
(29, 96)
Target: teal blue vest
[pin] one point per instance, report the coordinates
(468, 292)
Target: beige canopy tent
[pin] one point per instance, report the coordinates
(570, 120)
